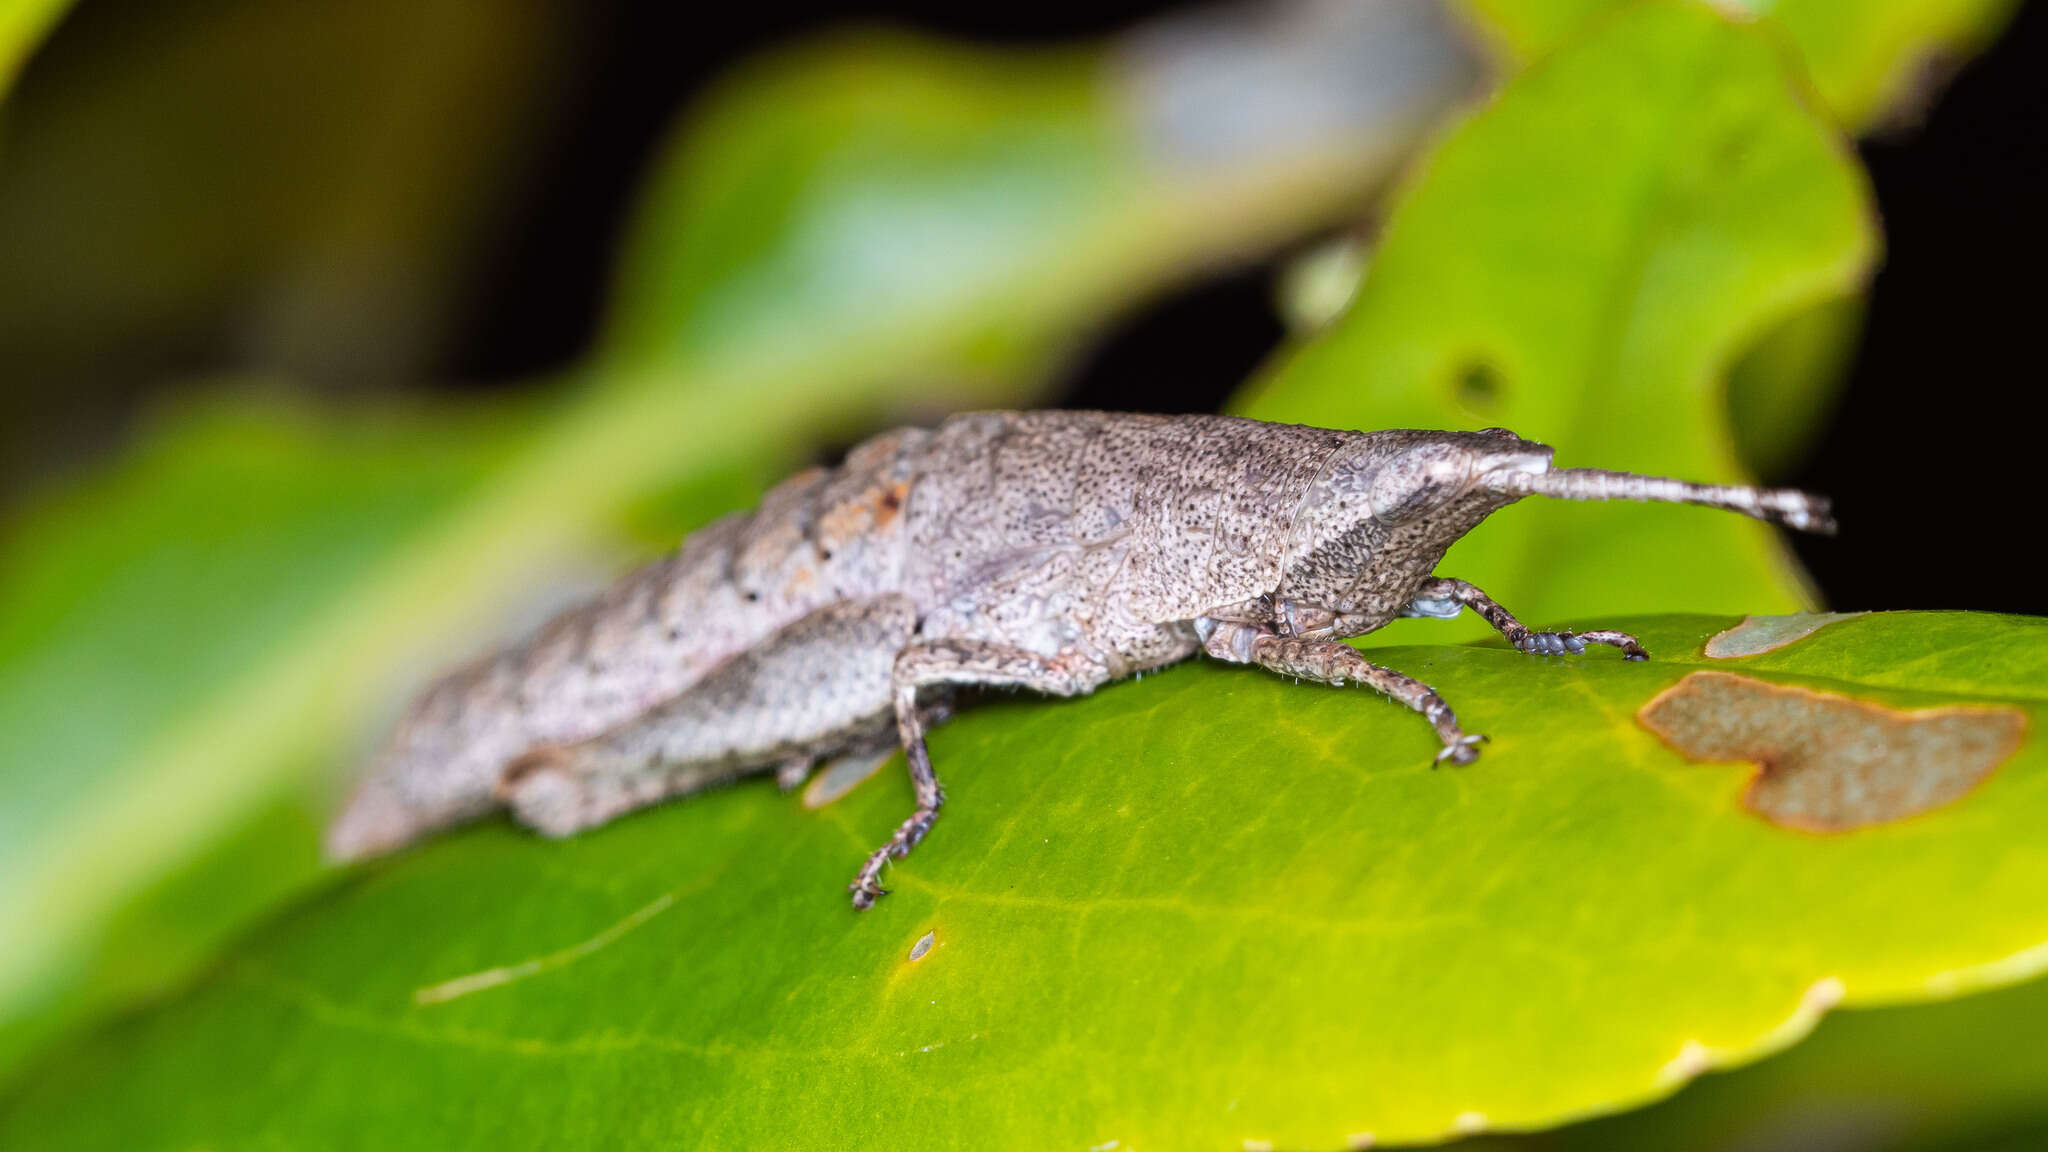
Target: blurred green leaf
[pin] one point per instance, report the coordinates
(877, 182)
(827, 245)
(23, 24)
(184, 577)
(1782, 389)
(1951, 1075)
(1581, 262)
(1873, 64)
(1204, 908)
(1870, 61)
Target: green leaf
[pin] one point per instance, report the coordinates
(877, 183)
(23, 24)
(1926, 1076)
(1872, 64)
(1206, 907)
(1869, 60)
(133, 607)
(1783, 388)
(1581, 262)
(850, 231)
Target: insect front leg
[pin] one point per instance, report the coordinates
(1442, 597)
(948, 663)
(1334, 662)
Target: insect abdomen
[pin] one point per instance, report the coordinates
(816, 538)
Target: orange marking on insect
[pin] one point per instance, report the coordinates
(844, 523)
(891, 502)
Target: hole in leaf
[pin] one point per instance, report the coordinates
(1478, 386)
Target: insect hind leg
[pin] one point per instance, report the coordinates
(941, 664)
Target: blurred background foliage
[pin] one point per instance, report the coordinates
(335, 344)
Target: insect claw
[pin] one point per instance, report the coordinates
(1631, 649)
(1463, 750)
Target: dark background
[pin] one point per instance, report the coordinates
(1932, 458)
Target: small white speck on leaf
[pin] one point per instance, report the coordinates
(1823, 995)
(923, 945)
(1469, 1123)
(1693, 1058)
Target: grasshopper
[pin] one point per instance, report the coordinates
(1054, 551)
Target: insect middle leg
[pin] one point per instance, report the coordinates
(1334, 662)
(954, 662)
(1440, 596)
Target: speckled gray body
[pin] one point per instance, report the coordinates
(1048, 550)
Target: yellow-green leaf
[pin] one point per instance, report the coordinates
(1201, 909)
(1869, 60)
(1958, 1074)
(189, 575)
(23, 24)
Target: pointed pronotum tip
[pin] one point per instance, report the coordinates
(1803, 511)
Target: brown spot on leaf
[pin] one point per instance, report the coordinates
(1828, 763)
(1758, 634)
